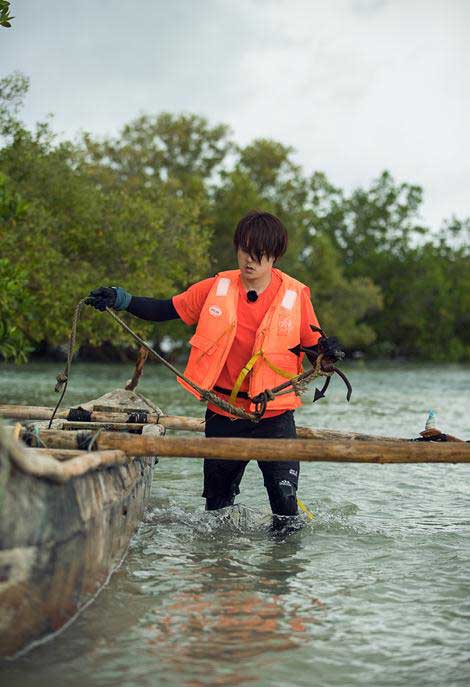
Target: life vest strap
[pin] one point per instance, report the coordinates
(247, 369)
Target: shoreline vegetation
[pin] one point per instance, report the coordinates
(128, 357)
(153, 210)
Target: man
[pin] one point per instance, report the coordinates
(247, 320)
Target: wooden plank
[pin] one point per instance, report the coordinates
(309, 450)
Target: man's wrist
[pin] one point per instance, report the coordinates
(123, 298)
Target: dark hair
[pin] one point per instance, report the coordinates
(260, 233)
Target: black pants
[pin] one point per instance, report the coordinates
(222, 477)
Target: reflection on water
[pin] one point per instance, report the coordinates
(374, 591)
(230, 614)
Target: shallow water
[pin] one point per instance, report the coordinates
(374, 591)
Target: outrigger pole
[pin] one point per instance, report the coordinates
(306, 450)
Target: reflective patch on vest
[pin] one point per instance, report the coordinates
(223, 286)
(285, 326)
(215, 310)
(289, 299)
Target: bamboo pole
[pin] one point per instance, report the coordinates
(18, 412)
(338, 435)
(170, 423)
(175, 422)
(309, 450)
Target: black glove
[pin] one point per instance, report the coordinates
(102, 298)
(329, 346)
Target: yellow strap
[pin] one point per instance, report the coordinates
(245, 370)
(278, 370)
(304, 508)
(249, 366)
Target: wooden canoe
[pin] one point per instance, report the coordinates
(66, 519)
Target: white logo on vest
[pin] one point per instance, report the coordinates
(215, 311)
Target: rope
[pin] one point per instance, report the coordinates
(32, 437)
(94, 438)
(147, 401)
(63, 377)
(205, 394)
(297, 384)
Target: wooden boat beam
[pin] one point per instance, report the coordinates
(262, 449)
(103, 416)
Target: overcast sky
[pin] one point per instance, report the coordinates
(355, 86)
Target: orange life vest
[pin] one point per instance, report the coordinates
(278, 331)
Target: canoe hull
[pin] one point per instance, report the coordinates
(60, 543)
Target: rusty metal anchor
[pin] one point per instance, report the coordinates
(330, 350)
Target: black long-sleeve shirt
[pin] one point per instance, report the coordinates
(154, 309)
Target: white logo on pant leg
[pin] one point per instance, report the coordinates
(215, 310)
(293, 472)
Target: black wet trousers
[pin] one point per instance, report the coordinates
(222, 477)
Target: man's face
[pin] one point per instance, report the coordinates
(251, 268)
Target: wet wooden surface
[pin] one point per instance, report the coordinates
(59, 544)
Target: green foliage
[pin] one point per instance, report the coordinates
(13, 89)
(341, 304)
(76, 233)
(268, 164)
(152, 150)
(5, 16)
(74, 237)
(15, 301)
(15, 305)
(154, 209)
